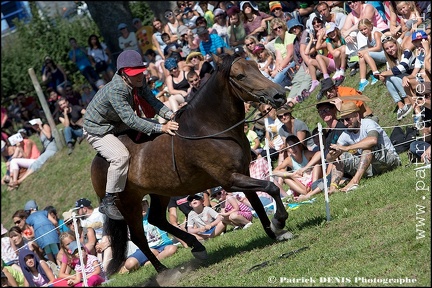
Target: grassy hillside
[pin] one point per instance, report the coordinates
(380, 232)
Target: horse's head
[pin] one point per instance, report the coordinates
(249, 83)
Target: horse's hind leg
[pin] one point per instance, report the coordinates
(157, 217)
(249, 186)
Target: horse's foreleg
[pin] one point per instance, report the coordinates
(134, 219)
(251, 185)
(157, 217)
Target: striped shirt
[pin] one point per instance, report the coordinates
(111, 110)
(211, 46)
(405, 64)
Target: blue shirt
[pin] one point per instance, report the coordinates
(211, 46)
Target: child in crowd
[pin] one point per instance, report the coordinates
(336, 46)
(265, 60)
(234, 212)
(203, 222)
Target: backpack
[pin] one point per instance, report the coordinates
(401, 139)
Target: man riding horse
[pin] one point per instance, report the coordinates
(114, 109)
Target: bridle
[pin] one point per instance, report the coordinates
(233, 82)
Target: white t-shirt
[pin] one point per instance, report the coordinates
(95, 220)
(367, 125)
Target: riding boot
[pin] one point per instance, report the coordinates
(109, 208)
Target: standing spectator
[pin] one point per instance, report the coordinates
(100, 57)
(71, 116)
(49, 148)
(400, 63)
(78, 55)
(54, 75)
(255, 21)
(43, 226)
(127, 39)
(143, 34)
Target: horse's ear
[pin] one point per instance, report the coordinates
(229, 51)
(217, 59)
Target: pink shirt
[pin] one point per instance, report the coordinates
(377, 20)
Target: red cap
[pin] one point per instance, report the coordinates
(133, 71)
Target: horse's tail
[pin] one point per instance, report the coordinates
(117, 231)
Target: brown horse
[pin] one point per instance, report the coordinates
(210, 149)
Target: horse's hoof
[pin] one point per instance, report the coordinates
(168, 277)
(285, 235)
(200, 255)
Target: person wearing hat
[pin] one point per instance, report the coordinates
(364, 148)
(336, 45)
(177, 84)
(255, 21)
(330, 90)
(104, 116)
(127, 39)
(37, 273)
(236, 31)
(203, 221)
(43, 226)
(210, 43)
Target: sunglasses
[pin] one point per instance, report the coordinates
(172, 69)
(249, 44)
(346, 119)
(350, 2)
(193, 80)
(387, 39)
(17, 222)
(277, 28)
(324, 111)
(168, 15)
(286, 114)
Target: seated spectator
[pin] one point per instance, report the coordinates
(221, 25)
(159, 242)
(336, 46)
(87, 95)
(203, 222)
(49, 149)
(195, 61)
(87, 234)
(330, 90)
(25, 154)
(364, 148)
(236, 31)
(42, 224)
(255, 21)
(72, 117)
(410, 18)
(172, 48)
(11, 277)
(328, 15)
(210, 43)
(54, 75)
(19, 219)
(265, 60)
(371, 54)
(293, 126)
(59, 223)
(66, 261)
(36, 271)
(249, 46)
(9, 255)
(400, 63)
(16, 235)
(53, 96)
(177, 84)
(252, 136)
(234, 212)
(303, 165)
(73, 96)
(92, 267)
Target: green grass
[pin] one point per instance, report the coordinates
(375, 232)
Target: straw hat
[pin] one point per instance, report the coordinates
(348, 108)
(193, 54)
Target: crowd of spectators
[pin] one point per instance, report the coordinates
(303, 46)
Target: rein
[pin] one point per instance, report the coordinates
(232, 81)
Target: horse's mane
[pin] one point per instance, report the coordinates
(212, 83)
